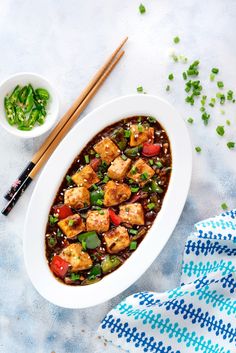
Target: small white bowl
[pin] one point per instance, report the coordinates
(37, 81)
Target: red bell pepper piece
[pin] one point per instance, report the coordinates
(95, 163)
(150, 150)
(116, 220)
(59, 266)
(63, 211)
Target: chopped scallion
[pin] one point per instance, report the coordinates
(230, 145)
(176, 40)
(139, 89)
(86, 158)
(142, 9)
(133, 245)
(198, 149)
(190, 120)
(220, 130)
(224, 206)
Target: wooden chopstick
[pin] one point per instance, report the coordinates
(59, 137)
(63, 121)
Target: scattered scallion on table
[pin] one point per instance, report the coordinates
(198, 149)
(176, 40)
(224, 206)
(230, 145)
(142, 9)
(220, 130)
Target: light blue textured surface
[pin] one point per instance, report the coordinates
(66, 41)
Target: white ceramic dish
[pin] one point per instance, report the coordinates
(37, 81)
(34, 249)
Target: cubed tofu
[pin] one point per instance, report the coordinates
(117, 239)
(115, 193)
(107, 150)
(72, 225)
(140, 134)
(141, 172)
(77, 258)
(98, 221)
(132, 213)
(85, 177)
(119, 168)
(77, 197)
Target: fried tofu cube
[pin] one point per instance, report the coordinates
(85, 177)
(119, 168)
(72, 225)
(132, 213)
(77, 197)
(141, 133)
(115, 193)
(77, 258)
(98, 221)
(141, 172)
(117, 239)
(107, 150)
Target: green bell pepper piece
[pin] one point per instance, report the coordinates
(155, 187)
(91, 239)
(132, 152)
(95, 196)
(95, 271)
(118, 137)
(110, 263)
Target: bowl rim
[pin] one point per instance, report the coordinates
(116, 282)
(49, 123)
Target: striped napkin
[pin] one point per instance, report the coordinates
(198, 316)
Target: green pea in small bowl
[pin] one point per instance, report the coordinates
(29, 105)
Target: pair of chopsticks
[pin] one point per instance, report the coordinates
(61, 129)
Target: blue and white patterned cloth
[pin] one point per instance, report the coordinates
(198, 316)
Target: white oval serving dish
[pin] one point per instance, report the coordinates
(34, 232)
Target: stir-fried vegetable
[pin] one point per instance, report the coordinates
(96, 197)
(118, 136)
(62, 211)
(59, 266)
(132, 152)
(116, 220)
(90, 240)
(110, 263)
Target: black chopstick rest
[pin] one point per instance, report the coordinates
(6, 210)
(18, 182)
